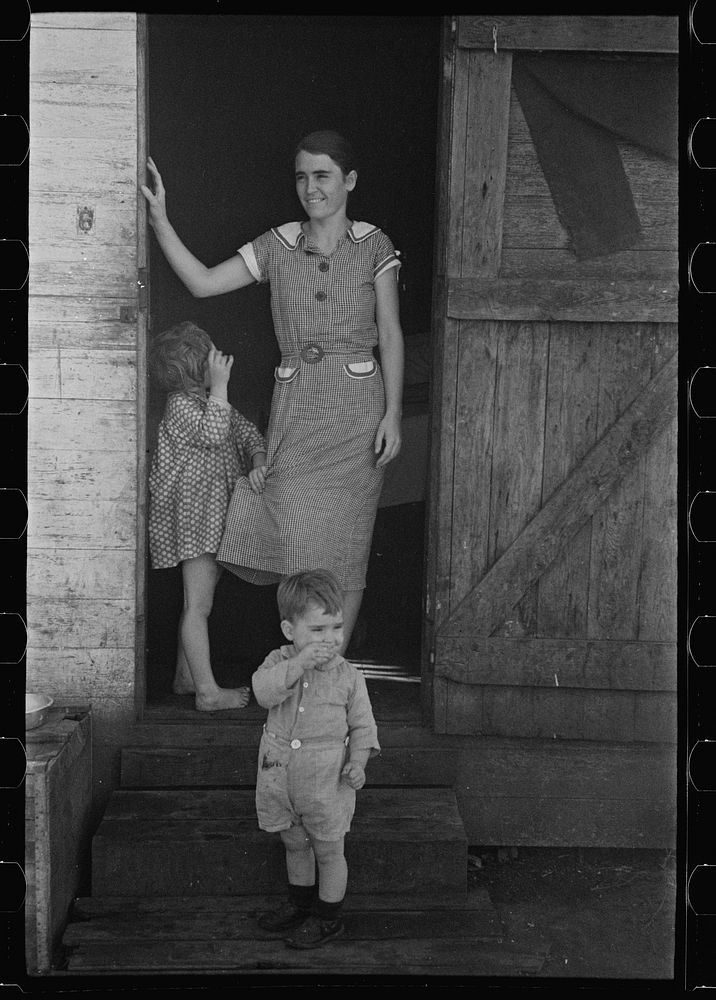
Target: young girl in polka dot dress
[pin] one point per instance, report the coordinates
(203, 446)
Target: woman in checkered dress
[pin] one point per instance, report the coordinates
(335, 414)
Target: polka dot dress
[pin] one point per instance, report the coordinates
(204, 446)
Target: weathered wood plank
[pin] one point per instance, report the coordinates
(657, 265)
(95, 912)
(87, 20)
(560, 713)
(76, 55)
(73, 524)
(541, 298)
(72, 475)
(224, 857)
(89, 425)
(559, 663)
(570, 431)
(84, 673)
(485, 162)
(81, 111)
(625, 369)
(131, 806)
(657, 600)
(518, 429)
(653, 180)
(111, 271)
(94, 574)
(419, 956)
(599, 34)
(458, 162)
(95, 169)
(223, 923)
(69, 374)
(475, 404)
(184, 767)
(74, 623)
(532, 222)
(568, 509)
(56, 221)
(57, 320)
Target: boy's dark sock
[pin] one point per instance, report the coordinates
(301, 896)
(327, 911)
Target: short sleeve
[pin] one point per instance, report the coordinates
(385, 255)
(256, 256)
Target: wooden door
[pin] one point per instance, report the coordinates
(551, 567)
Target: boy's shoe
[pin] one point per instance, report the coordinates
(314, 932)
(283, 918)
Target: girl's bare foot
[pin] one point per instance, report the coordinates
(223, 699)
(183, 683)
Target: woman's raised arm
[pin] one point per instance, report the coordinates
(202, 281)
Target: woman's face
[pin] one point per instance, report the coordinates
(321, 185)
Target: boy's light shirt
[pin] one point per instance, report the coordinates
(322, 704)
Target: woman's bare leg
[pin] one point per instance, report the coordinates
(351, 606)
(200, 576)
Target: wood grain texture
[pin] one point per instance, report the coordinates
(598, 34)
(69, 270)
(657, 265)
(473, 444)
(81, 524)
(75, 374)
(559, 663)
(560, 713)
(91, 573)
(84, 425)
(570, 431)
(75, 54)
(486, 162)
(82, 623)
(568, 509)
(87, 20)
(541, 298)
(625, 369)
(81, 111)
(84, 673)
(70, 476)
(57, 218)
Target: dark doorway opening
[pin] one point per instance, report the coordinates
(228, 98)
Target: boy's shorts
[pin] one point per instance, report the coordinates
(303, 786)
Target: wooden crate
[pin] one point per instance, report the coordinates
(58, 797)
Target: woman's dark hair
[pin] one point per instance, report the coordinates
(177, 357)
(331, 144)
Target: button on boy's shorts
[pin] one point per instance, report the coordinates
(303, 786)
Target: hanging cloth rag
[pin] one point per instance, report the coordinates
(577, 109)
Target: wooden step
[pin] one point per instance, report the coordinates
(206, 842)
(235, 766)
(219, 935)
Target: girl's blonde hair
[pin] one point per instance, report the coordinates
(177, 357)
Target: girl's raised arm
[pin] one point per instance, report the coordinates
(202, 281)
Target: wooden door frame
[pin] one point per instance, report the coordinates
(142, 569)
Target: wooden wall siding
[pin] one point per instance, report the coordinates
(83, 339)
(597, 34)
(554, 520)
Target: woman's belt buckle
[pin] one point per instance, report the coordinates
(312, 353)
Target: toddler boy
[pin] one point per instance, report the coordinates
(318, 736)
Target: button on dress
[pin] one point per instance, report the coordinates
(322, 484)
